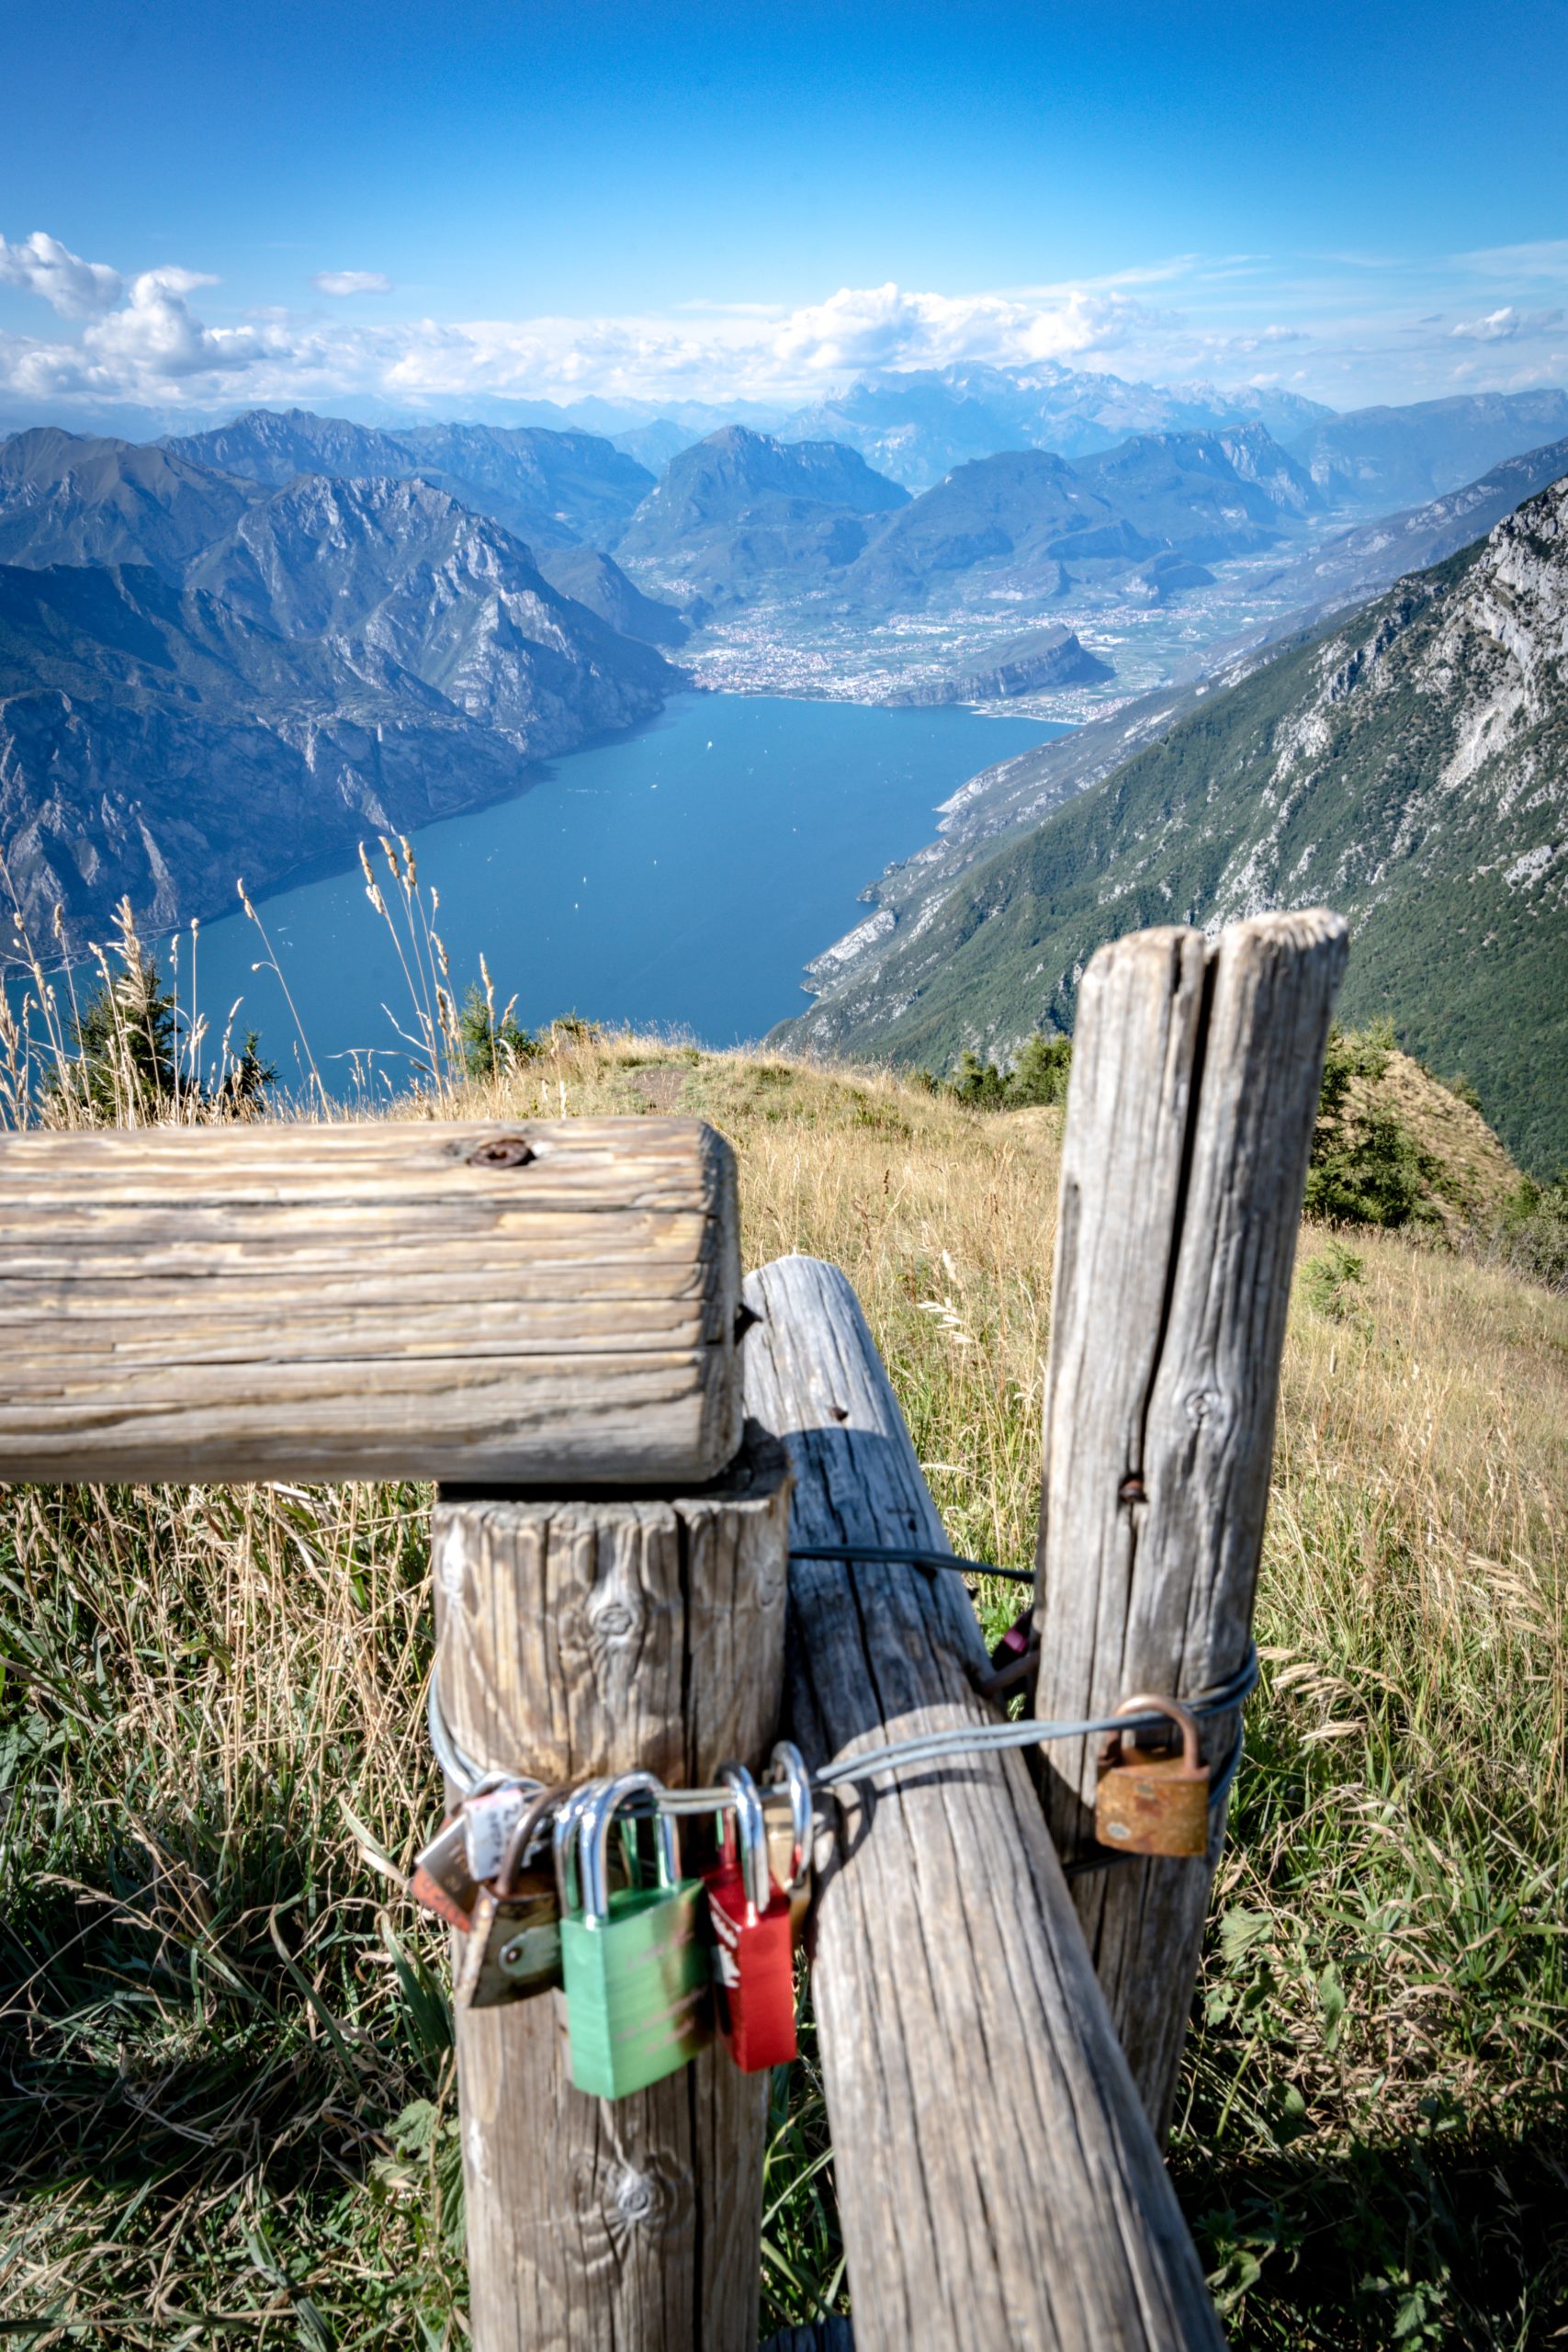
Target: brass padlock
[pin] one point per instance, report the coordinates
(1153, 1804)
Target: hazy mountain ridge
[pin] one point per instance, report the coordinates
(561, 489)
(744, 515)
(1395, 457)
(1408, 764)
(1359, 563)
(918, 425)
(69, 498)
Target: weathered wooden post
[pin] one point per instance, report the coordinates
(997, 2182)
(578, 1637)
(1196, 1070)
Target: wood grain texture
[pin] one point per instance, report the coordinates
(574, 1639)
(370, 1301)
(997, 2181)
(1196, 1070)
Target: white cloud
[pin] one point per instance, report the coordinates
(350, 281)
(143, 340)
(75, 288)
(1508, 325)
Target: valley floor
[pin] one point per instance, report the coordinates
(227, 2102)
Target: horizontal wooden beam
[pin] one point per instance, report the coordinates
(548, 1300)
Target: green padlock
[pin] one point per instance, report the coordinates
(635, 1964)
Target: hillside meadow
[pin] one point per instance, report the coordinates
(226, 2098)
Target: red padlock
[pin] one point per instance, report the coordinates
(753, 1955)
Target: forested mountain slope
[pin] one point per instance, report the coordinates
(1408, 764)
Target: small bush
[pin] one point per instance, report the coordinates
(1329, 1280)
(1531, 1234)
(127, 1066)
(491, 1042)
(1038, 1075)
(1366, 1168)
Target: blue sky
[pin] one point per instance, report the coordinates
(405, 207)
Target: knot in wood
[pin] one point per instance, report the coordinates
(501, 1151)
(634, 2195)
(1203, 1404)
(613, 1620)
(1132, 1489)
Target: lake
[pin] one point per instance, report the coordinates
(680, 877)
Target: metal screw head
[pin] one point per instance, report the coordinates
(501, 1151)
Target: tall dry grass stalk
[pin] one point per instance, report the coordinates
(226, 2103)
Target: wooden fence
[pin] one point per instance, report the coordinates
(546, 1318)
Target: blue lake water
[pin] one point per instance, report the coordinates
(681, 876)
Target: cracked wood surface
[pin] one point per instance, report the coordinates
(1196, 1069)
(576, 1638)
(396, 1299)
(999, 2184)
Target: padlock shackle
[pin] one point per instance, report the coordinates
(567, 1820)
(593, 1838)
(787, 1764)
(751, 1835)
(1149, 1703)
(523, 1835)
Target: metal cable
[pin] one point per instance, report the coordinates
(1220, 1699)
(849, 1553)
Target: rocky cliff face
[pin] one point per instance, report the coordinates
(155, 746)
(346, 655)
(1407, 766)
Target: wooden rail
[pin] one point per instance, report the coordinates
(548, 1299)
(997, 2181)
(1196, 1070)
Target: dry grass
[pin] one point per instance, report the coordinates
(225, 2101)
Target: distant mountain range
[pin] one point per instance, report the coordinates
(1359, 562)
(550, 489)
(744, 515)
(1408, 764)
(918, 425)
(403, 618)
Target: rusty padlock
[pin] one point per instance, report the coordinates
(1153, 1804)
(514, 1948)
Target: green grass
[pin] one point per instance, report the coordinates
(226, 2103)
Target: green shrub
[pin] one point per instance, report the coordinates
(1531, 1235)
(490, 1042)
(1038, 1075)
(133, 1066)
(1329, 1280)
(1365, 1169)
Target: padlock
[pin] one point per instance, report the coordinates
(442, 1879)
(753, 1949)
(635, 1966)
(489, 1818)
(789, 1812)
(514, 1948)
(1153, 1805)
